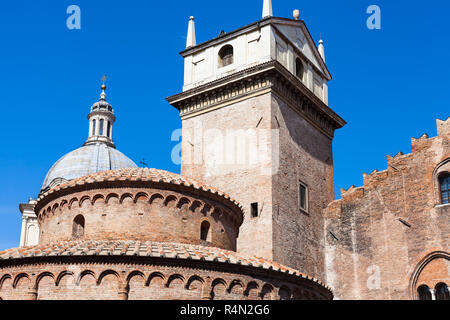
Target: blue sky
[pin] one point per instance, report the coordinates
(389, 84)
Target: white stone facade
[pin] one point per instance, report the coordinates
(30, 229)
(279, 39)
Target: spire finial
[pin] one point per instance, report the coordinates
(321, 48)
(103, 94)
(191, 41)
(267, 9)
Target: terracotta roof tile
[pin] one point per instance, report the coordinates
(135, 174)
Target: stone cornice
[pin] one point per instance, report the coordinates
(26, 207)
(100, 139)
(263, 78)
(110, 115)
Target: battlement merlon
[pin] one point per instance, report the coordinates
(399, 162)
(443, 127)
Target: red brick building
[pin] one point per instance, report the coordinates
(389, 239)
(255, 199)
(143, 234)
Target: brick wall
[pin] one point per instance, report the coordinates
(289, 149)
(246, 181)
(120, 280)
(306, 156)
(392, 235)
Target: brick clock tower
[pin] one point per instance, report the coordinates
(257, 125)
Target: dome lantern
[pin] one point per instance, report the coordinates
(101, 120)
(97, 154)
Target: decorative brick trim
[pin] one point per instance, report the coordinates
(267, 77)
(195, 278)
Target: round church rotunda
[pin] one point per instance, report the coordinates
(111, 231)
(144, 234)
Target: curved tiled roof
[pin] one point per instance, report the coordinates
(139, 174)
(147, 249)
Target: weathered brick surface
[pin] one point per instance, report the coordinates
(297, 152)
(118, 278)
(306, 156)
(243, 181)
(376, 255)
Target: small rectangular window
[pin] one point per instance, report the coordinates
(303, 197)
(254, 209)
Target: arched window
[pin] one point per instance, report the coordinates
(94, 122)
(225, 56)
(100, 130)
(108, 130)
(204, 231)
(78, 227)
(442, 292)
(424, 293)
(284, 293)
(299, 68)
(444, 182)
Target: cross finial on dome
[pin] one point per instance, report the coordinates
(103, 94)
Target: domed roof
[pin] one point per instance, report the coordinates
(97, 154)
(101, 105)
(84, 161)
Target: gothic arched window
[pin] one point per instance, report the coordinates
(444, 182)
(204, 231)
(226, 56)
(424, 293)
(78, 227)
(299, 69)
(442, 292)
